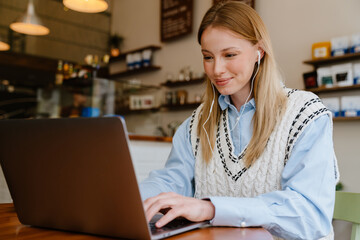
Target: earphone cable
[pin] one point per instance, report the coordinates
(203, 126)
(246, 101)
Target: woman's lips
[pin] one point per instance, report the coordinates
(222, 81)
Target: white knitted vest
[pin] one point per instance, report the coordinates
(226, 174)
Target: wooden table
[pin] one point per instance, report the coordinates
(11, 229)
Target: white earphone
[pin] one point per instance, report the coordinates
(259, 57)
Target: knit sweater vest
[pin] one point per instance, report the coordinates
(226, 174)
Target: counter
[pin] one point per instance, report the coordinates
(150, 138)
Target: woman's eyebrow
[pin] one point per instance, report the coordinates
(223, 50)
(206, 51)
(230, 48)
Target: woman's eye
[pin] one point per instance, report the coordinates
(207, 57)
(229, 55)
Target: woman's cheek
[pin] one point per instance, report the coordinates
(207, 69)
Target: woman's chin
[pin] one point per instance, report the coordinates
(225, 91)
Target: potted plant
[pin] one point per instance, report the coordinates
(115, 42)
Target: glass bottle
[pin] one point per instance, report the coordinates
(59, 76)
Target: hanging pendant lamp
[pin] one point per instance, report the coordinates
(3, 45)
(29, 23)
(87, 6)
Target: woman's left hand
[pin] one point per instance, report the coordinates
(176, 205)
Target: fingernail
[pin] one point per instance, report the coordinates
(158, 224)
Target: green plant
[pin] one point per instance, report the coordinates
(339, 186)
(115, 41)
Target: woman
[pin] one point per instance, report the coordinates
(254, 153)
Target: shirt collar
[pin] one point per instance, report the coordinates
(225, 102)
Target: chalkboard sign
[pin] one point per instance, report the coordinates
(251, 3)
(176, 18)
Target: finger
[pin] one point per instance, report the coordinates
(148, 202)
(165, 201)
(168, 217)
(165, 210)
(149, 205)
(154, 209)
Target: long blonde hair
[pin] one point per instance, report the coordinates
(269, 95)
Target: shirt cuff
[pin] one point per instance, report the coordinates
(239, 212)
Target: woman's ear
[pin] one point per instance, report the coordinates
(262, 52)
(259, 46)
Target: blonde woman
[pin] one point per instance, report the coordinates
(254, 153)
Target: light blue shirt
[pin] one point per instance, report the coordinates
(302, 209)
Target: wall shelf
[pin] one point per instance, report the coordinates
(122, 56)
(183, 83)
(138, 89)
(126, 111)
(179, 107)
(134, 72)
(332, 60)
(78, 82)
(343, 119)
(126, 73)
(165, 108)
(333, 89)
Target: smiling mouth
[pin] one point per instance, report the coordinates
(222, 82)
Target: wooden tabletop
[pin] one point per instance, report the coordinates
(11, 229)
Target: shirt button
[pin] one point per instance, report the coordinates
(243, 224)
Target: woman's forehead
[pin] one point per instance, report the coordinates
(222, 37)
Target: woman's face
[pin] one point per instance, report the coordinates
(228, 61)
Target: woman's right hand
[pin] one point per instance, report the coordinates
(175, 205)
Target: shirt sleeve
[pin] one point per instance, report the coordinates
(303, 208)
(178, 173)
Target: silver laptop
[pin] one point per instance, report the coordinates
(76, 175)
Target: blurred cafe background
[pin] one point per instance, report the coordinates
(140, 59)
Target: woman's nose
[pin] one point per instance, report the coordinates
(219, 67)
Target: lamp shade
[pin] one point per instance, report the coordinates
(29, 23)
(4, 46)
(87, 6)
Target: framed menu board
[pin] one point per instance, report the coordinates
(176, 18)
(248, 2)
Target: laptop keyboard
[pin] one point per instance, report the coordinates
(174, 224)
